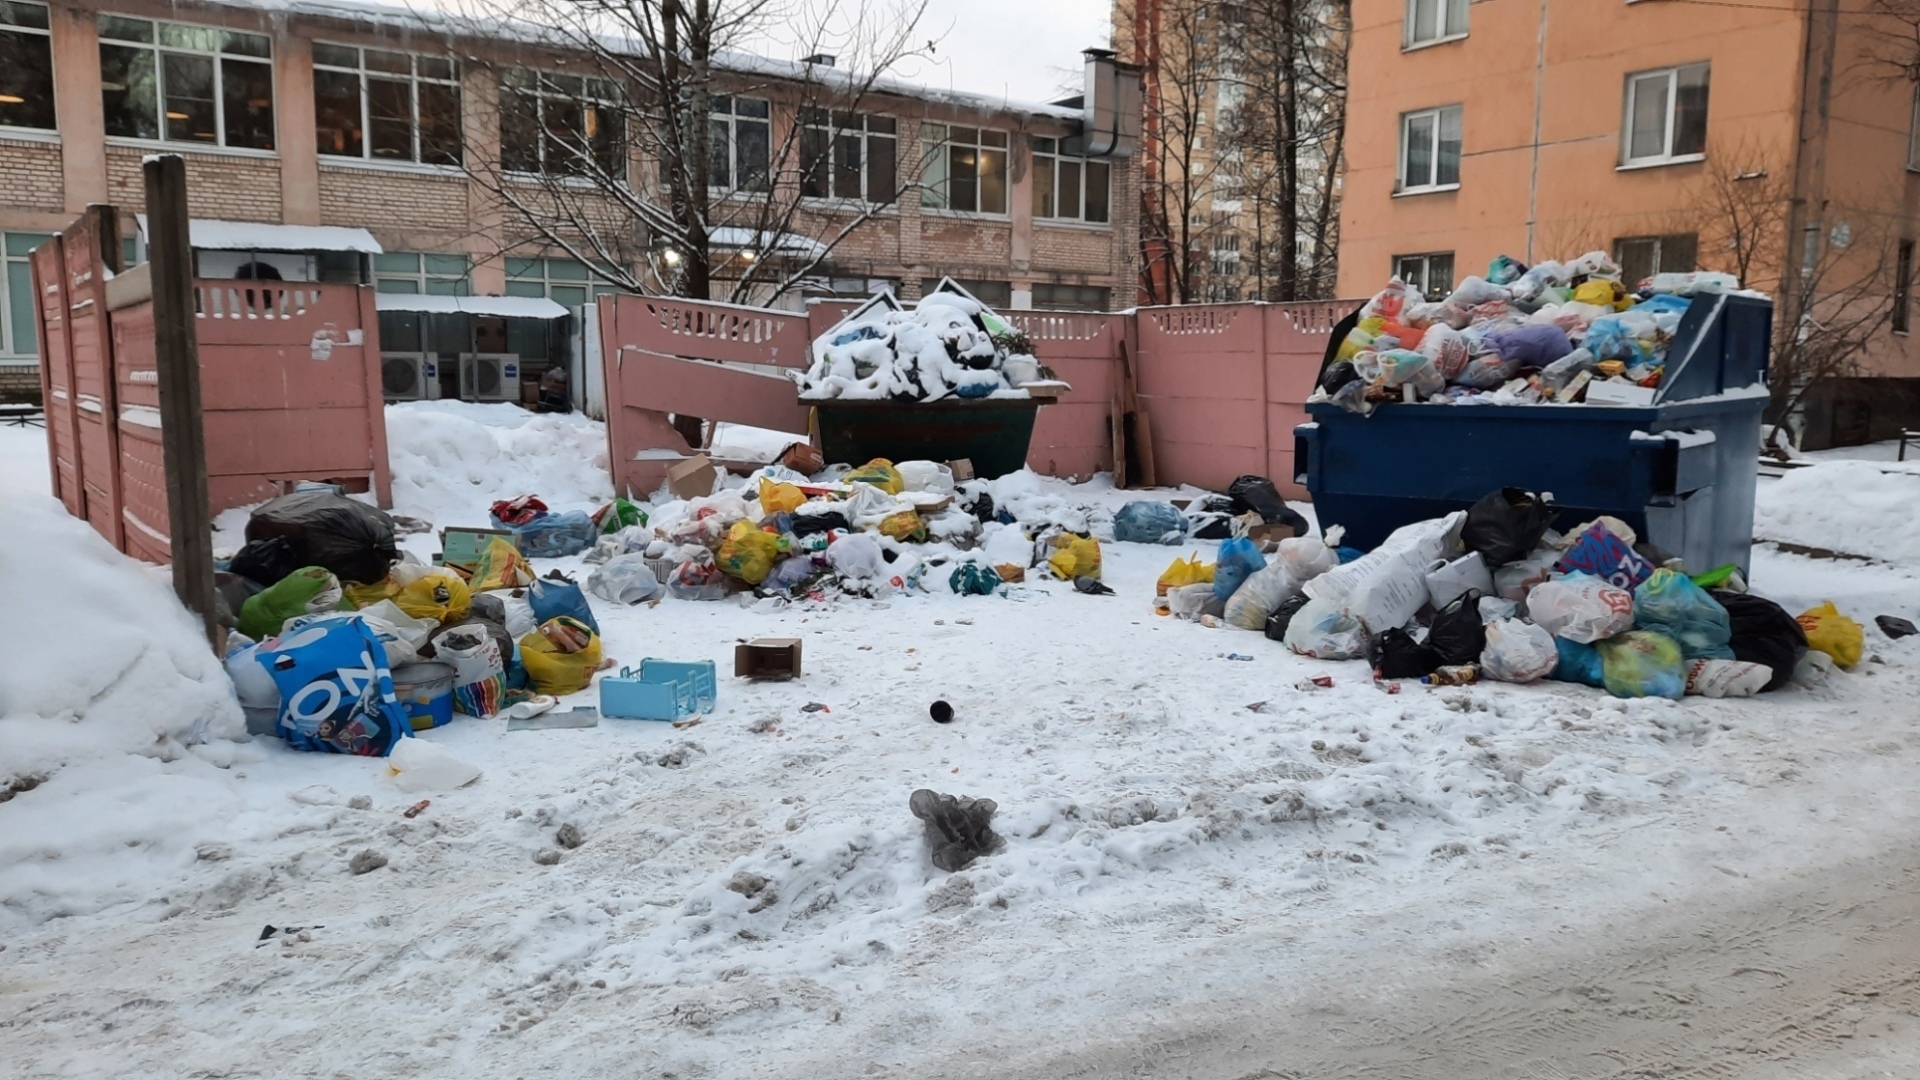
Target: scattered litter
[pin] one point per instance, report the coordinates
(941, 712)
(416, 809)
(569, 836)
(580, 716)
(958, 829)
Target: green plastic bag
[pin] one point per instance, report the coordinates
(307, 591)
(974, 579)
(1643, 663)
(617, 515)
(1670, 603)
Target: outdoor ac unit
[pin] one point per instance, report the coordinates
(409, 376)
(490, 377)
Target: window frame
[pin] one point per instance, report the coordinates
(1660, 243)
(1046, 155)
(45, 34)
(218, 58)
(1444, 11)
(21, 264)
(732, 119)
(422, 276)
(1901, 317)
(941, 152)
(413, 79)
(546, 87)
(1425, 285)
(1630, 98)
(836, 127)
(1438, 113)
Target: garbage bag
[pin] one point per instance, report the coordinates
(827, 521)
(780, 498)
(1516, 579)
(747, 553)
(1518, 652)
(500, 566)
(1458, 634)
(1189, 571)
(929, 476)
(958, 830)
(857, 556)
(1188, 601)
(303, 592)
(1405, 367)
(1643, 663)
(1830, 632)
(348, 537)
(336, 690)
(432, 592)
(974, 579)
(397, 648)
(1601, 552)
(1387, 586)
(1450, 580)
(1396, 655)
(1669, 602)
(1146, 522)
(1447, 349)
(554, 596)
(1257, 493)
(1487, 371)
(1532, 345)
(479, 668)
(1074, 557)
(417, 765)
(626, 579)
(904, 526)
(1763, 633)
(1321, 630)
(518, 511)
(1727, 678)
(1239, 559)
(561, 656)
(1260, 595)
(1307, 557)
(1580, 607)
(1579, 663)
(616, 515)
(1282, 617)
(699, 579)
(1338, 374)
(880, 473)
(267, 561)
(1507, 524)
(1505, 269)
(552, 536)
(361, 595)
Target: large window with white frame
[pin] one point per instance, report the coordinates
(421, 272)
(739, 143)
(18, 319)
(167, 81)
(561, 125)
(1430, 149)
(26, 66)
(1430, 272)
(849, 156)
(1666, 116)
(966, 169)
(1429, 21)
(381, 105)
(1070, 188)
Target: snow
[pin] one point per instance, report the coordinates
(512, 307)
(217, 235)
(1184, 833)
(784, 243)
(1863, 508)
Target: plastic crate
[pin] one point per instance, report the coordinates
(660, 690)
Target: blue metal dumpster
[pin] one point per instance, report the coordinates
(1681, 471)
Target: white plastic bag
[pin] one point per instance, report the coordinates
(1516, 579)
(1518, 652)
(1307, 557)
(857, 555)
(1448, 581)
(1497, 607)
(626, 579)
(414, 632)
(1321, 630)
(1186, 601)
(1581, 607)
(926, 476)
(520, 621)
(1726, 678)
(418, 765)
(1387, 586)
(1260, 594)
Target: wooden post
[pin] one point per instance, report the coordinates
(176, 356)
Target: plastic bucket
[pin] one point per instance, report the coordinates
(425, 690)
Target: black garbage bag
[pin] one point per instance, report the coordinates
(1457, 634)
(1282, 616)
(1507, 524)
(1895, 627)
(348, 537)
(1210, 518)
(1257, 493)
(1763, 633)
(808, 524)
(959, 829)
(1395, 655)
(1338, 374)
(267, 562)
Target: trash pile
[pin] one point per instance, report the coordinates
(1493, 592)
(947, 344)
(1552, 333)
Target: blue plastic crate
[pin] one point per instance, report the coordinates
(660, 690)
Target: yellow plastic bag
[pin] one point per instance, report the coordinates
(903, 526)
(500, 566)
(433, 592)
(881, 474)
(779, 498)
(1075, 557)
(1603, 293)
(747, 553)
(358, 596)
(553, 669)
(1185, 572)
(1832, 633)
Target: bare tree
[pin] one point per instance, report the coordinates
(639, 137)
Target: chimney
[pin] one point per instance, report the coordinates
(1110, 110)
(821, 59)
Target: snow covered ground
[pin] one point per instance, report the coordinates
(1189, 837)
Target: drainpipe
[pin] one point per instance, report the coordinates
(1539, 96)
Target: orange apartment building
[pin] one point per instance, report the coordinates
(349, 140)
(1547, 128)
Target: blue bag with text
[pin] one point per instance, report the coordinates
(336, 691)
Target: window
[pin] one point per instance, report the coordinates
(966, 169)
(386, 106)
(18, 320)
(1641, 257)
(420, 272)
(1666, 116)
(26, 66)
(1070, 188)
(179, 83)
(739, 135)
(1434, 20)
(1050, 297)
(561, 125)
(1431, 273)
(1430, 149)
(1903, 287)
(848, 156)
(567, 282)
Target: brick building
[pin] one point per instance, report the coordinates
(339, 140)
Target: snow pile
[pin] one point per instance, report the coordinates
(948, 344)
(1857, 507)
(452, 459)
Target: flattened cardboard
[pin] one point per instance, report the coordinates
(1269, 534)
(767, 658)
(692, 478)
(460, 548)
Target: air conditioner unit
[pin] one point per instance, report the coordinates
(409, 376)
(489, 377)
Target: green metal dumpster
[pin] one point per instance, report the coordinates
(992, 432)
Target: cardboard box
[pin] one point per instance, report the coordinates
(803, 458)
(692, 478)
(1269, 534)
(1619, 393)
(962, 468)
(461, 548)
(767, 658)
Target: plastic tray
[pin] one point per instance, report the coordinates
(660, 690)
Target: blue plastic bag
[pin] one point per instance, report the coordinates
(553, 536)
(336, 691)
(1239, 559)
(1144, 522)
(1642, 663)
(1670, 603)
(1579, 663)
(1600, 553)
(551, 598)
